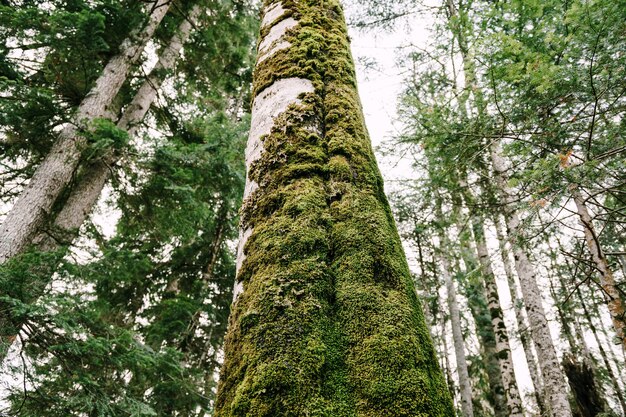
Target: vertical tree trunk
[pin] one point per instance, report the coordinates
(85, 194)
(514, 401)
(503, 348)
(607, 364)
(479, 308)
(615, 304)
(55, 172)
(457, 332)
(522, 319)
(447, 367)
(553, 378)
(325, 320)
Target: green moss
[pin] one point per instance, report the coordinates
(329, 323)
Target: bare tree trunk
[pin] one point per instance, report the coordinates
(522, 319)
(447, 367)
(607, 364)
(503, 348)
(553, 377)
(479, 308)
(615, 304)
(457, 335)
(514, 401)
(57, 169)
(85, 194)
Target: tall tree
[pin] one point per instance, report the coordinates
(325, 319)
(84, 195)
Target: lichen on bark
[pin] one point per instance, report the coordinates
(328, 323)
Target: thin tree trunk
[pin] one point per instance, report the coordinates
(619, 366)
(325, 320)
(447, 367)
(505, 360)
(56, 171)
(553, 377)
(607, 364)
(479, 308)
(503, 348)
(522, 319)
(615, 304)
(457, 332)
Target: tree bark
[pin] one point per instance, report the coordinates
(514, 401)
(85, 194)
(87, 191)
(607, 364)
(503, 348)
(57, 169)
(457, 331)
(522, 319)
(615, 304)
(325, 320)
(553, 377)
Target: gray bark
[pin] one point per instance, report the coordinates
(607, 364)
(457, 331)
(503, 348)
(553, 377)
(57, 169)
(86, 193)
(459, 346)
(522, 319)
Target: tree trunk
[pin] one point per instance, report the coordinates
(522, 319)
(57, 169)
(615, 304)
(85, 194)
(553, 378)
(514, 401)
(457, 332)
(607, 363)
(447, 367)
(503, 348)
(325, 320)
(87, 191)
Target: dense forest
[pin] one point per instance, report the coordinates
(193, 221)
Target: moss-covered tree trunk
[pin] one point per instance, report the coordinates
(325, 321)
